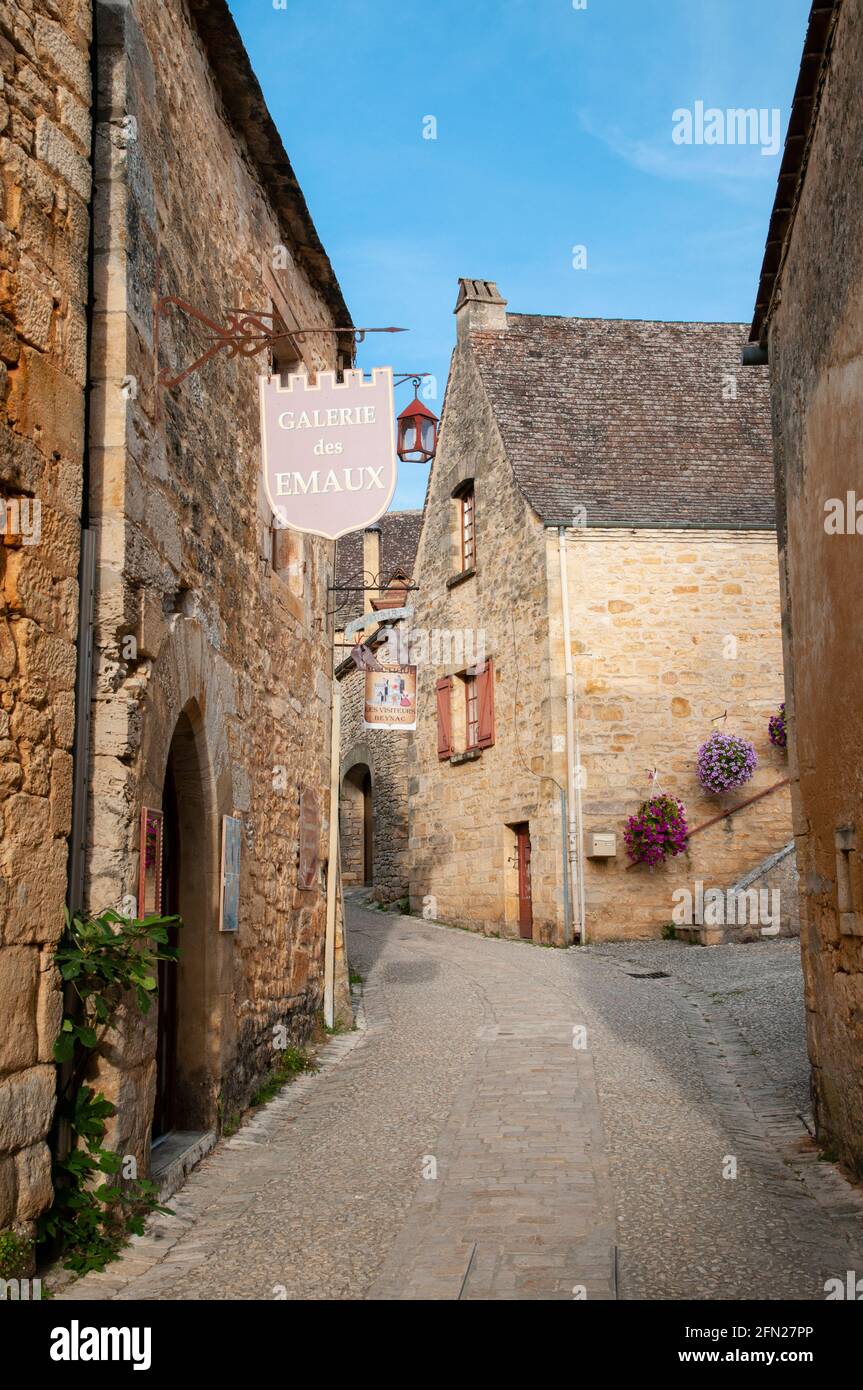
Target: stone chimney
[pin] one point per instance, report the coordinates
(372, 558)
(479, 308)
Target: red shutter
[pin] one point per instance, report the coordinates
(444, 717)
(485, 702)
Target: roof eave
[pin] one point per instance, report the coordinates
(250, 115)
(798, 141)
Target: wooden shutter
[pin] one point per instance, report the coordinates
(444, 717)
(485, 692)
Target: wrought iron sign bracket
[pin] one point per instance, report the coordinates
(245, 334)
(372, 584)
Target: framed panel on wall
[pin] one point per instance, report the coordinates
(310, 835)
(229, 906)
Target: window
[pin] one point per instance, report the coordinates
(467, 508)
(477, 731)
(471, 695)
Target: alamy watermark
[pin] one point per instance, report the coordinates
(709, 125)
(723, 907)
(21, 519)
(417, 646)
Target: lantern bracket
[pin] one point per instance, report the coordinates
(415, 378)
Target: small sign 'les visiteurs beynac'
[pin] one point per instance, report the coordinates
(329, 450)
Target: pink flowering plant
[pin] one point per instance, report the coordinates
(657, 831)
(777, 729)
(725, 762)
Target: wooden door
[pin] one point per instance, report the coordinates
(525, 902)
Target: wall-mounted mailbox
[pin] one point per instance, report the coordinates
(601, 844)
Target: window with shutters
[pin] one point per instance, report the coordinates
(468, 727)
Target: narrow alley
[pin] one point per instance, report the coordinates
(458, 1145)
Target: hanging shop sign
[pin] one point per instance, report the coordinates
(391, 698)
(229, 914)
(329, 450)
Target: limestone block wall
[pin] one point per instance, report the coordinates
(816, 357)
(669, 630)
(44, 227)
(211, 639)
(461, 814)
(385, 754)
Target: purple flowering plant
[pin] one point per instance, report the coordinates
(657, 830)
(725, 762)
(777, 728)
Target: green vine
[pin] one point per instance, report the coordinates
(102, 960)
(15, 1255)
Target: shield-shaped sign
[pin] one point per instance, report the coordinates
(328, 450)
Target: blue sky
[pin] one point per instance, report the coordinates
(554, 131)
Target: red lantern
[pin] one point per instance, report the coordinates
(417, 433)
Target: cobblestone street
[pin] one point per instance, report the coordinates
(557, 1168)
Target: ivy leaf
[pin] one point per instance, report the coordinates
(103, 1013)
(64, 1048)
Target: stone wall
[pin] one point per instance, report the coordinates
(211, 640)
(44, 230)
(462, 813)
(670, 630)
(816, 357)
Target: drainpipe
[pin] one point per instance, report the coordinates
(87, 557)
(573, 761)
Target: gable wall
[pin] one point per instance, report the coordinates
(459, 842)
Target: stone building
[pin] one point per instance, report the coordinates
(809, 320)
(210, 687)
(44, 225)
(609, 481)
(373, 570)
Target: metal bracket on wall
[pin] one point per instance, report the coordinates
(245, 334)
(371, 584)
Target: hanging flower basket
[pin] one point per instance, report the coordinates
(725, 762)
(657, 831)
(777, 729)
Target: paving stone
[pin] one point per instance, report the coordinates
(557, 1168)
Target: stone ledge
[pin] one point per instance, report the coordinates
(470, 755)
(456, 579)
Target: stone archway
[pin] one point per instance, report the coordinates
(184, 1093)
(356, 829)
(186, 770)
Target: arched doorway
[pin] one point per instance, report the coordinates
(186, 1045)
(357, 826)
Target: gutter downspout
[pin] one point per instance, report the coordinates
(60, 1136)
(87, 555)
(573, 760)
